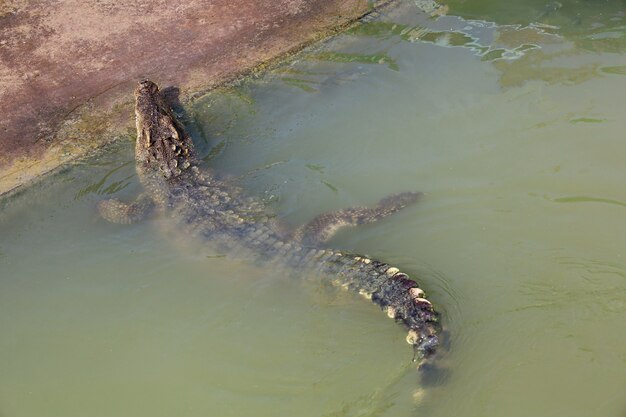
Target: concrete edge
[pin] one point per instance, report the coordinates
(110, 126)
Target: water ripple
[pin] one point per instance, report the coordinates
(593, 284)
(585, 199)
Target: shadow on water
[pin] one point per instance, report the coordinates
(221, 112)
(171, 94)
(434, 375)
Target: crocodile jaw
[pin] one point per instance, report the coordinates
(162, 146)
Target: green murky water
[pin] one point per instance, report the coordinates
(514, 130)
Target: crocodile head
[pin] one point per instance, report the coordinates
(163, 147)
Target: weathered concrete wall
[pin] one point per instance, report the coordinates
(68, 67)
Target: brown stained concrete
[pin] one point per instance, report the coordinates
(68, 67)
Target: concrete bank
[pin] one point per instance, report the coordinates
(68, 67)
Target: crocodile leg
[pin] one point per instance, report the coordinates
(323, 227)
(116, 211)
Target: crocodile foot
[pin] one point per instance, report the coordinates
(116, 211)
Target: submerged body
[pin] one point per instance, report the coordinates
(208, 208)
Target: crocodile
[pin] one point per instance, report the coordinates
(203, 205)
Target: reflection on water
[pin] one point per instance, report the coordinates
(593, 26)
(508, 115)
(596, 19)
(104, 187)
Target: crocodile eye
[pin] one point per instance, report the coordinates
(149, 85)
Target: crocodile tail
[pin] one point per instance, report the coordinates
(398, 295)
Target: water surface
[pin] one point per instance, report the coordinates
(514, 127)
